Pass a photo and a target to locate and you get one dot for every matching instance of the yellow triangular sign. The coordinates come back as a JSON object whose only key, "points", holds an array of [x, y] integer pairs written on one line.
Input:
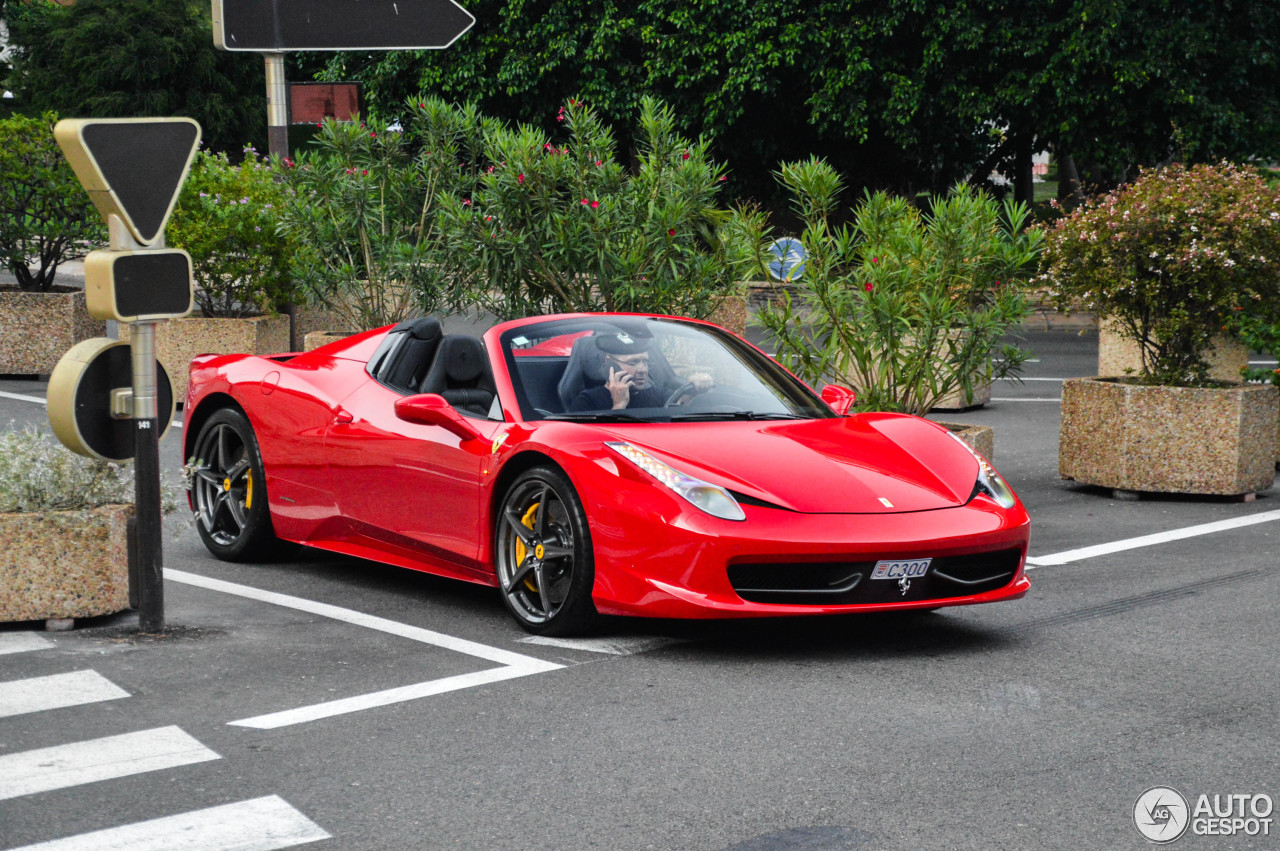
{"points": [[131, 167]]}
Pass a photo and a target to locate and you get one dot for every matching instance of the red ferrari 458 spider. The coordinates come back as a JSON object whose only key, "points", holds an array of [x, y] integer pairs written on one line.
{"points": [[597, 463]]}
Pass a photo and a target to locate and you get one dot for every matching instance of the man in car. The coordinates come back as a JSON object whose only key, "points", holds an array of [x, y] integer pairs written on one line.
{"points": [[629, 384]]}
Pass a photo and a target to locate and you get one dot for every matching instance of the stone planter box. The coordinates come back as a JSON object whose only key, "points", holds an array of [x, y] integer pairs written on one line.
{"points": [[180, 340], [731, 314], [981, 438], [64, 564], [1117, 354], [955, 401], [1129, 437], [316, 339], [37, 329]]}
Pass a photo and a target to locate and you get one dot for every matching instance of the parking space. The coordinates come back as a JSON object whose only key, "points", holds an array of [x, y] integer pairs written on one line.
{"points": [[327, 701]]}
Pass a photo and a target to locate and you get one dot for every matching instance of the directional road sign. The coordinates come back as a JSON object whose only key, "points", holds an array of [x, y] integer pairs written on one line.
{"points": [[270, 25], [82, 411], [131, 167]]}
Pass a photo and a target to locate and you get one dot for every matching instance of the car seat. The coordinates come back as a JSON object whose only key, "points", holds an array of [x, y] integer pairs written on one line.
{"points": [[416, 354], [461, 374]]}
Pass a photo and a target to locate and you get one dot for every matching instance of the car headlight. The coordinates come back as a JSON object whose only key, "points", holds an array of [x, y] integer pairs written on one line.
{"points": [[712, 499], [989, 481]]}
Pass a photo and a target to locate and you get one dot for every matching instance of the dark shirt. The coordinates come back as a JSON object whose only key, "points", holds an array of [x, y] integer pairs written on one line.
{"points": [[599, 399]]}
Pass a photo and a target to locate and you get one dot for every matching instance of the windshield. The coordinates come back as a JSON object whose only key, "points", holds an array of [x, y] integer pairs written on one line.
{"points": [[637, 369]]}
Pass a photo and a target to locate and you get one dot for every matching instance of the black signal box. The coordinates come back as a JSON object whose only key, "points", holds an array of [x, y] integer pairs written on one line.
{"points": [[133, 286]]}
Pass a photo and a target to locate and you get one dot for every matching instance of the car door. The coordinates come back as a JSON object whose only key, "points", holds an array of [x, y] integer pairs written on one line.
{"points": [[407, 486]]}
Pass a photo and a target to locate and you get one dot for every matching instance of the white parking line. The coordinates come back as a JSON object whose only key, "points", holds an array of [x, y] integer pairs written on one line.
{"points": [[59, 691], [22, 642], [262, 824], [1025, 378], [611, 646], [1068, 556], [59, 767], [514, 664], [20, 398], [1026, 399]]}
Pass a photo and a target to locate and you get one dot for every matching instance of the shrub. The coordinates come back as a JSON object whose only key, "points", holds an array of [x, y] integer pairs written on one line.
{"points": [[905, 307], [226, 218], [362, 213], [560, 225], [45, 215], [39, 474], [1175, 258]]}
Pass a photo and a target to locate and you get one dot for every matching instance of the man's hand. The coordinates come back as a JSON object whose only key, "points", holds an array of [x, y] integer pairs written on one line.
{"points": [[619, 387], [702, 381]]}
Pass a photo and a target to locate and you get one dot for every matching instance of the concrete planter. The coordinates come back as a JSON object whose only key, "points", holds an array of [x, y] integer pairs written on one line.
{"points": [[1117, 353], [1130, 437], [64, 564], [180, 340], [37, 329], [981, 438], [955, 400], [316, 339]]}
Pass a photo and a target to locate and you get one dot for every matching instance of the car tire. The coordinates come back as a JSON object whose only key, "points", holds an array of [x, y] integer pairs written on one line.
{"points": [[542, 555], [229, 490]]}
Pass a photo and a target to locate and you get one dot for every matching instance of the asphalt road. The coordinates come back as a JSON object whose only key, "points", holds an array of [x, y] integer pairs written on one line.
{"points": [[1031, 724]]}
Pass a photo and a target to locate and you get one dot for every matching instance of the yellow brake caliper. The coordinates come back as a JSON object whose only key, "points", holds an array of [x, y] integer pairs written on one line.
{"points": [[248, 489], [521, 550]]}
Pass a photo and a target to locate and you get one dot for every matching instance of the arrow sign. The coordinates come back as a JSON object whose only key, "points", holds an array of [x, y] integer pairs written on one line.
{"points": [[267, 25], [131, 167]]}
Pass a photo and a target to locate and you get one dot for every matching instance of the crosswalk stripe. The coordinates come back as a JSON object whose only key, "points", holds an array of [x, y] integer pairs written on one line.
{"points": [[59, 767], [57, 691], [261, 824], [21, 642]]}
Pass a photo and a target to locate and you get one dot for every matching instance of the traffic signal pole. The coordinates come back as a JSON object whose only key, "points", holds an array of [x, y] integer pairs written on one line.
{"points": [[146, 458]]}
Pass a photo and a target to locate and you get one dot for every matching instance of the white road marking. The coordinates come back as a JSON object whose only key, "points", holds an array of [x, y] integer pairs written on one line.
{"points": [[59, 767], [261, 824], [611, 646], [1025, 378], [1068, 556], [19, 397], [513, 664], [1263, 362], [22, 642], [1057, 399], [59, 691]]}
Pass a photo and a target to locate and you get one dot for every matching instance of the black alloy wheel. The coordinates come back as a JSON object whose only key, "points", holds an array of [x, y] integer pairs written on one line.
{"points": [[542, 550], [228, 489]]}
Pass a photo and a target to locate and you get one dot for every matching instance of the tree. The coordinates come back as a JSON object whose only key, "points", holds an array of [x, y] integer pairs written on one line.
{"points": [[100, 58], [898, 94]]}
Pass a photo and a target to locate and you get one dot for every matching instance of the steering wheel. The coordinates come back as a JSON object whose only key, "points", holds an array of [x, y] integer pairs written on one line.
{"points": [[687, 387]]}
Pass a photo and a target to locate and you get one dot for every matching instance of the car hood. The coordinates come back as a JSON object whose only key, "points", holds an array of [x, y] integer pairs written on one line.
{"points": [[863, 464]]}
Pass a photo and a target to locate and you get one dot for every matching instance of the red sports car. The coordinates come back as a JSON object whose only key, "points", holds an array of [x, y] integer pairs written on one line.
{"points": [[597, 463]]}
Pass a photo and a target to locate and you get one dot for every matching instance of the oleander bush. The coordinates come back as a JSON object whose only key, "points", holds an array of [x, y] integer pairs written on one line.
{"points": [[560, 224], [1181, 255], [904, 306]]}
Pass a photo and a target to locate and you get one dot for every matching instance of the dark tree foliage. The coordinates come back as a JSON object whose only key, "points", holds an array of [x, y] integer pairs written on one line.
{"points": [[126, 58], [900, 94]]}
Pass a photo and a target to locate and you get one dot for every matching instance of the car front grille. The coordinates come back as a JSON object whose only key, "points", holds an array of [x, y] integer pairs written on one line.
{"points": [[846, 583]]}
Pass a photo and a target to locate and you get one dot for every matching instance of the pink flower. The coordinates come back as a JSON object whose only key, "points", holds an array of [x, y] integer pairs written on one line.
{"points": [[365, 172], [466, 202], [875, 259], [868, 286], [685, 155], [373, 135], [585, 202], [723, 179], [595, 204], [671, 232], [599, 162], [519, 178]]}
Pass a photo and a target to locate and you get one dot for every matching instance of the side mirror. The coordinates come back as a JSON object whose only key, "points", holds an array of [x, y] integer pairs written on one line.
{"points": [[432, 409], [840, 399]]}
